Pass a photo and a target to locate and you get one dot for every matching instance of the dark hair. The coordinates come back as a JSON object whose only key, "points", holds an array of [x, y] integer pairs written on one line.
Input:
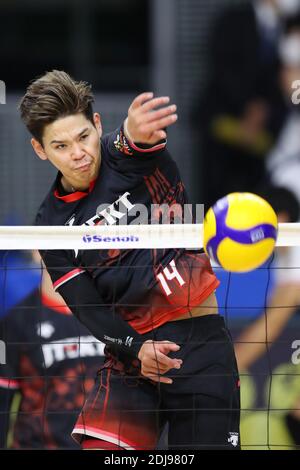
{"points": [[282, 200], [52, 96]]}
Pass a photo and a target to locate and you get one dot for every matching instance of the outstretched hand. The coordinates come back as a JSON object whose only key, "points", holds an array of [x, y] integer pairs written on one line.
{"points": [[155, 361], [145, 124]]}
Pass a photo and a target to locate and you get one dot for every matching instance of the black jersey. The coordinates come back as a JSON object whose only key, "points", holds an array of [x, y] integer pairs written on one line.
{"points": [[143, 286], [52, 361]]}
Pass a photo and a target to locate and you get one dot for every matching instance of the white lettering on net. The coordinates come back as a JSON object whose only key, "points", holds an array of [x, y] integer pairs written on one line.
{"points": [[2, 352], [2, 92], [296, 354], [296, 93]]}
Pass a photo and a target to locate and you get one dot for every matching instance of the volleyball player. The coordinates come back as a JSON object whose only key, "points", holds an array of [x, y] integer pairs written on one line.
{"points": [[169, 354], [51, 364]]}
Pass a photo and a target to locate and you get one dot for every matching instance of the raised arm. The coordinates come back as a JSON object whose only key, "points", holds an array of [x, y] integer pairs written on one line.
{"points": [[145, 123]]}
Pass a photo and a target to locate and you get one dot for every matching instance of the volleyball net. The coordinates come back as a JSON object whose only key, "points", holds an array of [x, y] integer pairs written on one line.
{"points": [[48, 360], [119, 237]]}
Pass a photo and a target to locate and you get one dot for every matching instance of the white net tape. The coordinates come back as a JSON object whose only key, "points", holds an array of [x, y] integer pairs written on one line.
{"points": [[270, 378], [119, 236]]}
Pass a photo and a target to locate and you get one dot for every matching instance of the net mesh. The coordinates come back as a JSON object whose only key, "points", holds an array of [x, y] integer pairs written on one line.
{"points": [[49, 360]]}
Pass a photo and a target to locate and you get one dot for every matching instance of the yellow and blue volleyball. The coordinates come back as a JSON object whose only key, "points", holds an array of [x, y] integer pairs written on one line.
{"points": [[240, 231]]}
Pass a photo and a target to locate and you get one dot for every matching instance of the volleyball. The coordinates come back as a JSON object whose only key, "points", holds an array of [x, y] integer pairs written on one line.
{"points": [[240, 231]]}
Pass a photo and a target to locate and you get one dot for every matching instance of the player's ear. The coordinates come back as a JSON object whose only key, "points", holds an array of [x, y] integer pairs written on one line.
{"points": [[97, 123], [38, 148]]}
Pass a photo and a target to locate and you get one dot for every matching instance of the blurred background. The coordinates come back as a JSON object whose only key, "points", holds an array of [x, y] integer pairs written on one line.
{"points": [[229, 65], [122, 47]]}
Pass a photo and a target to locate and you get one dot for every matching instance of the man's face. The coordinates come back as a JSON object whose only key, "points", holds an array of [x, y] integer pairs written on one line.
{"points": [[72, 145]]}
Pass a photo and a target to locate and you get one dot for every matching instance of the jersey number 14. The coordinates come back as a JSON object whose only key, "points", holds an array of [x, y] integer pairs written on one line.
{"points": [[168, 274]]}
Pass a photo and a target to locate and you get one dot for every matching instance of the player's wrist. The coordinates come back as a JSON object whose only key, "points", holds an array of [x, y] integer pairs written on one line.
{"points": [[142, 349], [133, 348], [126, 131], [138, 146]]}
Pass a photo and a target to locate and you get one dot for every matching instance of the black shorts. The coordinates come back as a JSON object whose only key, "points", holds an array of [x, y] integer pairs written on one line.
{"points": [[202, 406]]}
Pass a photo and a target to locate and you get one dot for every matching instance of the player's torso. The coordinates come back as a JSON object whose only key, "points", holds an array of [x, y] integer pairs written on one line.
{"points": [[131, 280], [125, 195]]}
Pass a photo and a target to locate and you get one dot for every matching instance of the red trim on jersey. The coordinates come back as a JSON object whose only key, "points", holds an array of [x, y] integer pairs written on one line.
{"points": [[55, 305], [157, 185], [148, 150], [151, 190], [101, 434], [163, 180], [67, 277], [99, 444], [106, 396], [76, 195], [163, 317], [9, 383]]}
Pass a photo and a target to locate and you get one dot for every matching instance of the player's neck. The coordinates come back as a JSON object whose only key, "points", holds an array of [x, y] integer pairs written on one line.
{"points": [[73, 186]]}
